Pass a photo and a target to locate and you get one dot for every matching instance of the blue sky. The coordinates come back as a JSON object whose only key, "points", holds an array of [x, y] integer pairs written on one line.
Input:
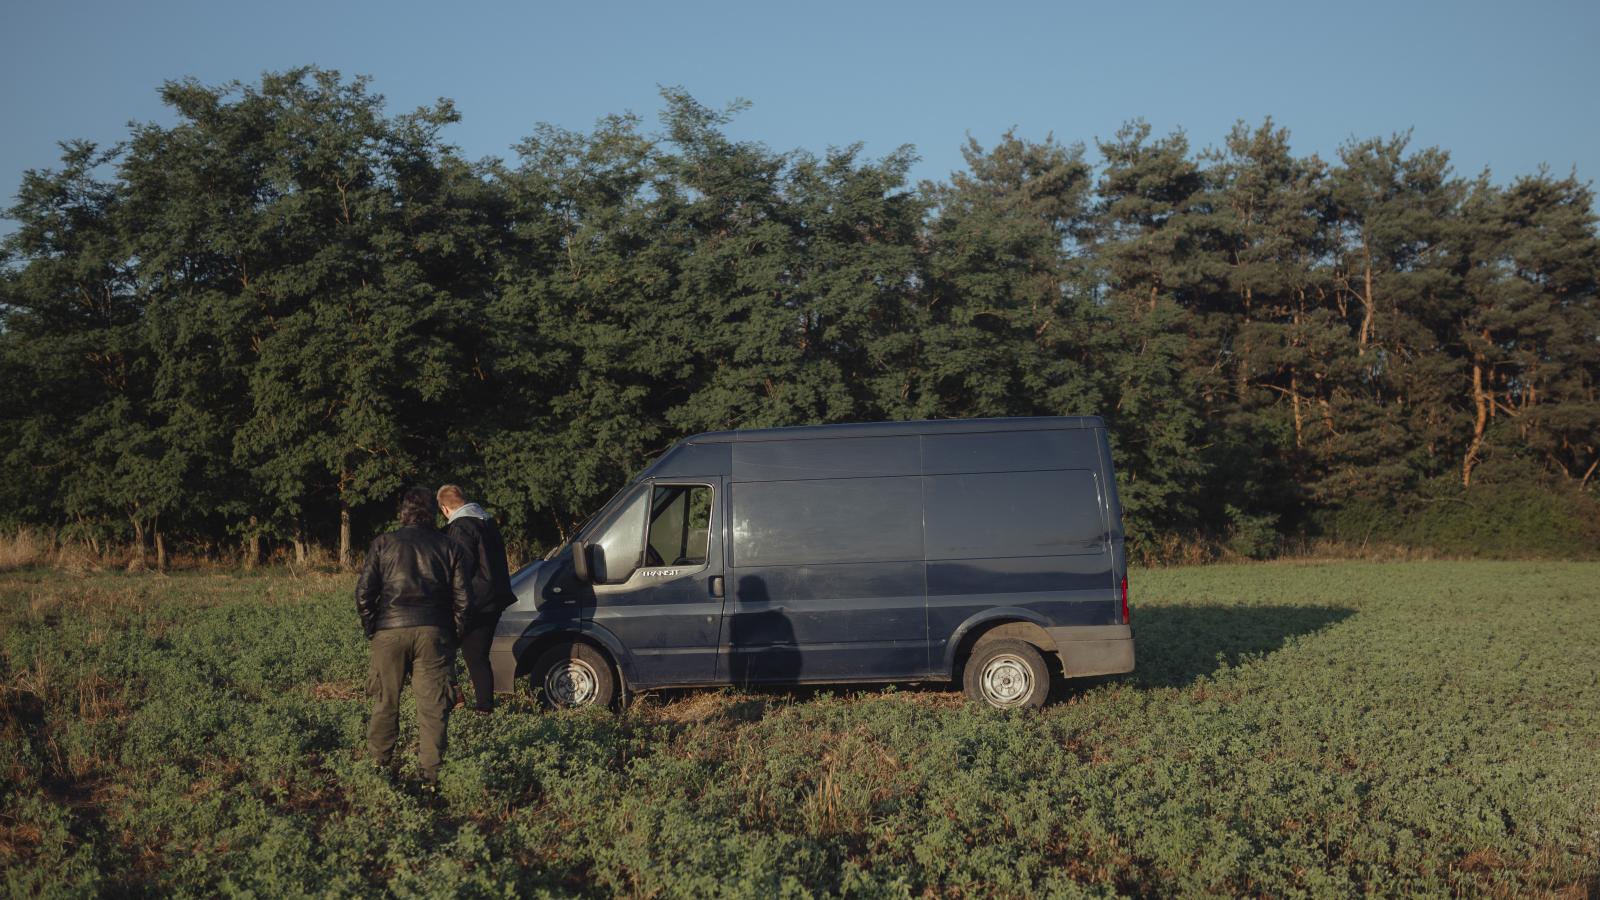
{"points": [[1503, 85]]}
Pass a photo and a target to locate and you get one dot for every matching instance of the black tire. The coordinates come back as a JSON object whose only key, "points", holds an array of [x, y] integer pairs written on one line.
{"points": [[1006, 673], [572, 675]]}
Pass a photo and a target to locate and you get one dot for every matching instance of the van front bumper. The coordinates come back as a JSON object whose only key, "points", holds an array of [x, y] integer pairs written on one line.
{"points": [[1093, 649]]}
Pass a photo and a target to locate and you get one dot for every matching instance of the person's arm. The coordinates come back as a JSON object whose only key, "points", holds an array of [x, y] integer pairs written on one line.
{"points": [[369, 590], [460, 588], [499, 569], [466, 539]]}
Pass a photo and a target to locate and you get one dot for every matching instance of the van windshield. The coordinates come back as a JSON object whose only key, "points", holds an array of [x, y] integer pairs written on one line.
{"points": [[583, 526], [618, 538]]}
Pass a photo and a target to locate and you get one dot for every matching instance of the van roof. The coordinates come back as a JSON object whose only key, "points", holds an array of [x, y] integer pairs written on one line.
{"points": [[887, 429]]}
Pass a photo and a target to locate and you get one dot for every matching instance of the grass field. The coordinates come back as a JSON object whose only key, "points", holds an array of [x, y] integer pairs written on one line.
{"points": [[1318, 729]]}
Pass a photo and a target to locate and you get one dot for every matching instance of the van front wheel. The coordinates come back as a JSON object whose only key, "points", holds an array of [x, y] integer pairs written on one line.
{"points": [[1007, 674], [571, 675]]}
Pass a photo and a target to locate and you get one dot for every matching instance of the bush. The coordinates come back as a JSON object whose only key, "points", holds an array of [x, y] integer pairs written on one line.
{"points": [[1495, 521], [1254, 536]]}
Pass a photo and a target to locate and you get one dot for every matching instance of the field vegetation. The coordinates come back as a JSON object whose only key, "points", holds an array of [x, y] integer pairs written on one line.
{"points": [[1292, 729]]}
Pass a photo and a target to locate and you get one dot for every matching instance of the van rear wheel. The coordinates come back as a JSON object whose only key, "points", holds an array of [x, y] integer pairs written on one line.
{"points": [[572, 675], [1006, 673]]}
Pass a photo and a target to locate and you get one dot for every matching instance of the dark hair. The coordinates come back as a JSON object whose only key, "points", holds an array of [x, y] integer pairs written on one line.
{"points": [[417, 506]]}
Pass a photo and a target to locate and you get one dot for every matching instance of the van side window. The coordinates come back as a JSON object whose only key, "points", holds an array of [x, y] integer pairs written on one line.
{"points": [[680, 525], [1049, 513], [827, 521]]}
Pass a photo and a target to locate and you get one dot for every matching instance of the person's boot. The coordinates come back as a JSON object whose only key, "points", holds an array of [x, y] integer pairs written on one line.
{"points": [[386, 769], [428, 786]]}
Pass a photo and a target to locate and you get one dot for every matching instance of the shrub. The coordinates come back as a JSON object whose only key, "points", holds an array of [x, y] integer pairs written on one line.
{"points": [[1496, 521]]}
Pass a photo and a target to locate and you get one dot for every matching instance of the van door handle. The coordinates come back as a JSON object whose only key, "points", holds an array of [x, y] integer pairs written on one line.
{"points": [[716, 586]]}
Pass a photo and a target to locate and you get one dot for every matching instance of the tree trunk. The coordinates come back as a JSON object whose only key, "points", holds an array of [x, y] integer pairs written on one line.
{"points": [[138, 543], [252, 546], [299, 548], [1479, 399], [344, 535], [84, 529], [1366, 301], [161, 549], [1294, 395]]}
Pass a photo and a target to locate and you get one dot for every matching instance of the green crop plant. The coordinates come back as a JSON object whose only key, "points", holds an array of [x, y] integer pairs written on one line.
{"points": [[1291, 730]]}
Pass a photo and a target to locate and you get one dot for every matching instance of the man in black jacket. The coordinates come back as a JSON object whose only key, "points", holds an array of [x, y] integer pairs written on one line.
{"points": [[472, 529], [413, 596]]}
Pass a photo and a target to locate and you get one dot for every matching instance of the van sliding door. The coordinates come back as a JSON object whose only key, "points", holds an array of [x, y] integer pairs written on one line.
{"points": [[826, 577]]}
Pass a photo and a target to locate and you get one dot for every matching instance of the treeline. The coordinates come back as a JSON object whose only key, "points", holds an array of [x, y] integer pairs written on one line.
{"points": [[248, 330]]}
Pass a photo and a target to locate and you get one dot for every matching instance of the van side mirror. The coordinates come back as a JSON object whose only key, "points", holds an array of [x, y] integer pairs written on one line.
{"points": [[581, 561]]}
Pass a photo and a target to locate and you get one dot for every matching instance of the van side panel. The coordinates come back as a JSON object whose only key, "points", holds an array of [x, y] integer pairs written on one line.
{"points": [[1119, 568], [1055, 587], [1029, 534], [838, 622], [1009, 451], [859, 457]]}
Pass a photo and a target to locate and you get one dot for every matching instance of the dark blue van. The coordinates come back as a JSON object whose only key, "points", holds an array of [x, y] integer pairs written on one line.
{"points": [[988, 551]]}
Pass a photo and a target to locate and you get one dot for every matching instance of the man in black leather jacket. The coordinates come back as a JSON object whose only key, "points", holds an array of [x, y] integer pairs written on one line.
{"points": [[470, 527], [413, 596]]}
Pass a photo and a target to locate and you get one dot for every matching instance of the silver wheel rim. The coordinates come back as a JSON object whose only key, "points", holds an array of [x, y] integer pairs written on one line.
{"points": [[572, 683], [1006, 680]]}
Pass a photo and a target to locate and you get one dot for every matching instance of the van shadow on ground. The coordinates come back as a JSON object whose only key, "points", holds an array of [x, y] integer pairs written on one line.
{"points": [[1176, 645]]}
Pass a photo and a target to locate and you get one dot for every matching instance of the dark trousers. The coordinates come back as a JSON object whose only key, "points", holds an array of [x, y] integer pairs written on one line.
{"points": [[475, 650], [423, 653]]}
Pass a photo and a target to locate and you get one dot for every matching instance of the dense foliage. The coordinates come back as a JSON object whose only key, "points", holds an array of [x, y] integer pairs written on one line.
{"points": [[255, 324], [1292, 730]]}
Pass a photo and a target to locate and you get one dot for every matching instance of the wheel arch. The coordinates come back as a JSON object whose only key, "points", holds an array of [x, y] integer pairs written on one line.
{"points": [[1006, 623], [534, 643]]}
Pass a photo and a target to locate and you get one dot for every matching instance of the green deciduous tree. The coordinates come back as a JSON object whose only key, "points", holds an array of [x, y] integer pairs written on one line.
{"points": [[1008, 295], [256, 323]]}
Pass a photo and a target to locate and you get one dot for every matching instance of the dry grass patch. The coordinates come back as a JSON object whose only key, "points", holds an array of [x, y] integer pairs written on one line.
{"points": [[686, 708], [22, 548], [335, 690]]}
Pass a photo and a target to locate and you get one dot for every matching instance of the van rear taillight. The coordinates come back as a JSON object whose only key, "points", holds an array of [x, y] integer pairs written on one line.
{"points": [[1127, 617]]}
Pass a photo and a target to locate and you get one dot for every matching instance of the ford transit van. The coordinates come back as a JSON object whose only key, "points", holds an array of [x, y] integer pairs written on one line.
{"points": [[987, 552]]}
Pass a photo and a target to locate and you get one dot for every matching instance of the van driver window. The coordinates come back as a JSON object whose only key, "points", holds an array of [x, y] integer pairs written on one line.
{"points": [[680, 525]]}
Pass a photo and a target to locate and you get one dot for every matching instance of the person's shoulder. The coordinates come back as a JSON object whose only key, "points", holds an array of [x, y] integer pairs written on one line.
{"points": [[450, 537], [379, 546]]}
